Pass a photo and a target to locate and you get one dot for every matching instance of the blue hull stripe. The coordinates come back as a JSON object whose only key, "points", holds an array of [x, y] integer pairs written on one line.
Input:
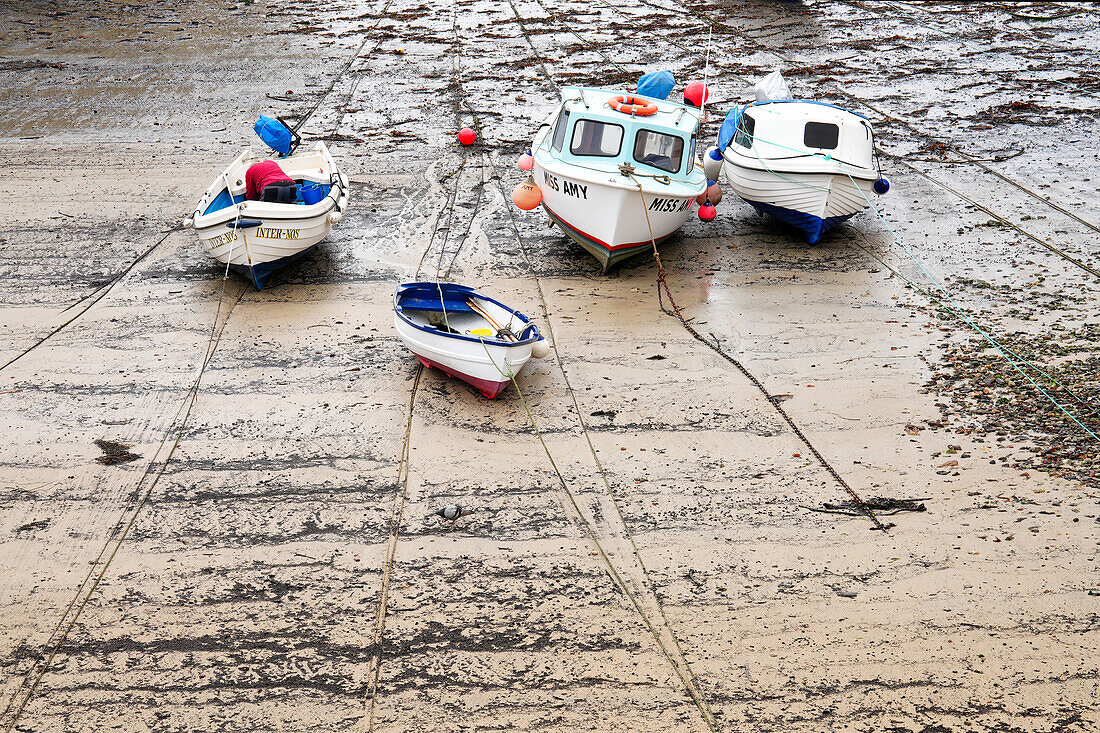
{"points": [[811, 226]]}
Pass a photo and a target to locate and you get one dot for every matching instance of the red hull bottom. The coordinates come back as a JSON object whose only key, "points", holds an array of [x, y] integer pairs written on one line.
{"points": [[488, 388]]}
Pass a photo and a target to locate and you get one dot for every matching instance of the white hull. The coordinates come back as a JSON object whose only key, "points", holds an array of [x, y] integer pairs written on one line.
{"points": [[484, 365], [809, 164], [821, 194], [610, 219]]}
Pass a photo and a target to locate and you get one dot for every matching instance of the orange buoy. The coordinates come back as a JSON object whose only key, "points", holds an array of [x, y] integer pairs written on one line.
{"points": [[527, 195], [713, 192]]}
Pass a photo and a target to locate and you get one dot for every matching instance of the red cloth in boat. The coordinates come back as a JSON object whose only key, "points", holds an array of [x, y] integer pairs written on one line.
{"points": [[262, 174]]}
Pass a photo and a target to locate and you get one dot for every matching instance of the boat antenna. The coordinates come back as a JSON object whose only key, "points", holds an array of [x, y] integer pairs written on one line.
{"points": [[706, 72]]}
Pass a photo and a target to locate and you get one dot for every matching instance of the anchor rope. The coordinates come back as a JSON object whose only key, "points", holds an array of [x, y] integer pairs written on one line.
{"points": [[347, 65], [696, 693], [374, 672], [92, 299], [956, 308], [970, 321], [121, 530]]}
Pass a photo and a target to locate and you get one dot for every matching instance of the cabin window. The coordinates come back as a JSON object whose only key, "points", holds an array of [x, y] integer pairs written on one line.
{"points": [[691, 152], [659, 150], [560, 128], [745, 128], [596, 138], [824, 135]]}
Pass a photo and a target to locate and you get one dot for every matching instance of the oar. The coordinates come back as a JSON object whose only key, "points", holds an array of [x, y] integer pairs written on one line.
{"points": [[481, 312]]}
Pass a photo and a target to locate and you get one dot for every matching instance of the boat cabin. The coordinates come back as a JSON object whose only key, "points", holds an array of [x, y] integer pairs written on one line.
{"points": [[589, 132], [792, 128]]}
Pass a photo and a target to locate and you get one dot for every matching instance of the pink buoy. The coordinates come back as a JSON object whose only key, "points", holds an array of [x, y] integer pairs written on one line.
{"points": [[713, 193], [466, 136], [696, 93], [527, 195], [707, 212], [526, 161]]}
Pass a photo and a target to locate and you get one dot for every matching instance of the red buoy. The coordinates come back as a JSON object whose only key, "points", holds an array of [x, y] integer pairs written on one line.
{"points": [[707, 212], [466, 136], [696, 93]]}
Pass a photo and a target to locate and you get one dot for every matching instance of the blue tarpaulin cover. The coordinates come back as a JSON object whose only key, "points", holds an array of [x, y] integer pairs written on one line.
{"points": [[729, 125], [657, 84], [274, 134]]}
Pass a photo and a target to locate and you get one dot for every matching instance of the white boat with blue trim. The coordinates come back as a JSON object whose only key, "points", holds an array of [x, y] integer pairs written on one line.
{"points": [[809, 164], [463, 333], [256, 238], [618, 171]]}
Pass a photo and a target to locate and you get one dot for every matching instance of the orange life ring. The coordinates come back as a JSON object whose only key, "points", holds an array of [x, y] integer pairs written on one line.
{"points": [[629, 105]]}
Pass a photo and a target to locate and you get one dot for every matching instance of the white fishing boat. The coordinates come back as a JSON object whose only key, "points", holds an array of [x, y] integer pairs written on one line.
{"points": [[465, 334], [255, 238], [809, 164], [618, 171]]}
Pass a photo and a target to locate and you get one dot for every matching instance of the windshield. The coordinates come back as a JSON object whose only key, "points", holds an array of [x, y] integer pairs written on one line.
{"points": [[659, 150], [597, 138], [743, 135]]}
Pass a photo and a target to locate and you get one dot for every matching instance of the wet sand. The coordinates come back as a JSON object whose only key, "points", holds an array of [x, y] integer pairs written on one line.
{"points": [[676, 577]]}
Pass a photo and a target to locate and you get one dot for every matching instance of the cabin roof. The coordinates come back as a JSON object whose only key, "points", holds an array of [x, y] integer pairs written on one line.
{"points": [[811, 108], [670, 116]]}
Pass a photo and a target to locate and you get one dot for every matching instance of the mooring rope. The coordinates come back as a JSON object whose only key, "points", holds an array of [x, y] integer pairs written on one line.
{"points": [[375, 671], [691, 684], [970, 322], [1011, 357], [121, 530], [92, 299], [693, 687], [347, 65]]}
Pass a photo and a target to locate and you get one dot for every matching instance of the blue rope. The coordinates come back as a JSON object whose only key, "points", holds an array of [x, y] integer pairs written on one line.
{"points": [[958, 309]]}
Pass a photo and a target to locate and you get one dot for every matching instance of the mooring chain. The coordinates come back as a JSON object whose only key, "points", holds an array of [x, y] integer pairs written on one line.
{"points": [[662, 283]]}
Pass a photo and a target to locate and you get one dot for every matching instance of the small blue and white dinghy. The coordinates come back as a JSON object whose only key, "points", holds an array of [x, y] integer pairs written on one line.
{"points": [[618, 171], [809, 164], [465, 334], [256, 238]]}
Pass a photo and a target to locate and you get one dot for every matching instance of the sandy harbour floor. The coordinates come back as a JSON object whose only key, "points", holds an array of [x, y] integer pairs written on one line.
{"points": [[270, 561]]}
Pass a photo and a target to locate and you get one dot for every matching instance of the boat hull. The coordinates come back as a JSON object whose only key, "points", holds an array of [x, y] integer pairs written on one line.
{"points": [[812, 202], [484, 366], [611, 222]]}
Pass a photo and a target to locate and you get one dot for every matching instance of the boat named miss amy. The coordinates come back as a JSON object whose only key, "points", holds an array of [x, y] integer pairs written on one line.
{"points": [[618, 171]]}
